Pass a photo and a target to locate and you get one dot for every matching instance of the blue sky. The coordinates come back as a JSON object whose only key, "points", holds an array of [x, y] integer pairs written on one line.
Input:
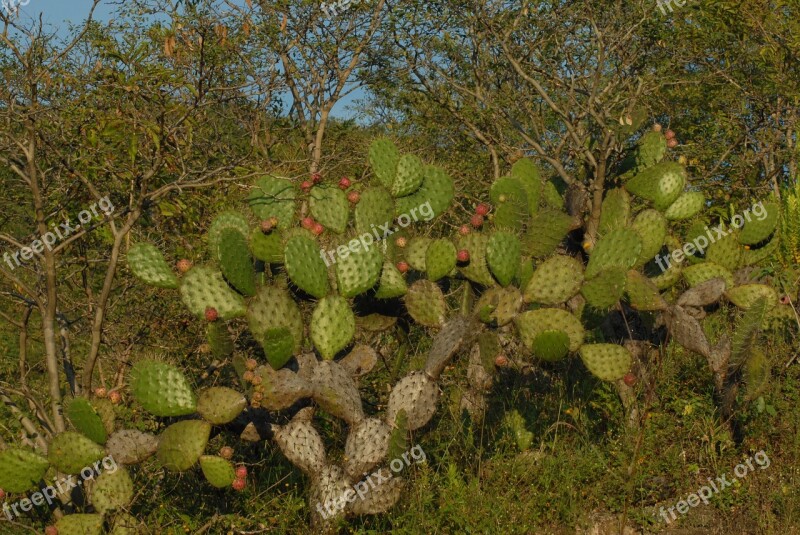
{"points": [[61, 13]]}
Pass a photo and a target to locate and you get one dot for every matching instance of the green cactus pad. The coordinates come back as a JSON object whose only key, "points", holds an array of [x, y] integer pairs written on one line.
{"points": [[105, 409], [500, 305], [529, 176], [440, 259], [506, 189], [545, 232], [333, 326], [236, 262], [425, 303], [608, 362], [668, 278], [477, 269], [202, 288], [279, 346], [605, 289], [305, 266], [700, 273], [267, 247], [219, 339], [651, 227], [148, 264], [161, 389], [515, 424], [71, 452], [555, 281], [751, 257], [662, 184], [85, 419], [409, 175], [551, 345], [225, 221], [533, 323], [416, 251], [746, 295], [357, 272], [642, 293], [756, 230], [686, 206], [219, 472], [650, 150], [619, 248], [503, 254], [274, 308], [551, 197], [21, 470], [220, 405], [112, 491], [274, 197], [383, 158], [392, 283], [330, 207], [726, 252], [615, 211], [182, 444], [524, 273], [511, 215], [80, 524], [432, 198], [375, 211]]}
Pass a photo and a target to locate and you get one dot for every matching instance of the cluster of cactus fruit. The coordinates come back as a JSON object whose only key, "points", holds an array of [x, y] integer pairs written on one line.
{"points": [[527, 296]]}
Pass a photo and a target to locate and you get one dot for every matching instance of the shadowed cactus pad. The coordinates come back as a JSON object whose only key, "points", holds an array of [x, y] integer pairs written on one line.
{"points": [[161, 389], [550, 345], [267, 247], [425, 303], [330, 207], [604, 290], [21, 470], [392, 284], [446, 344], [333, 325], [236, 262], [218, 472], [131, 446], [555, 281], [85, 419], [148, 264], [651, 227], [112, 490], [499, 305], [274, 197], [305, 266], [758, 227], [608, 362], [381, 497], [219, 405], [182, 444], [642, 293], [282, 388], [367, 445], [619, 248], [440, 259], [503, 254], [357, 272], [203, 288], [71, 452], [417, 395], [534, 322], [279, 346], [79, 524], [335, 391]]}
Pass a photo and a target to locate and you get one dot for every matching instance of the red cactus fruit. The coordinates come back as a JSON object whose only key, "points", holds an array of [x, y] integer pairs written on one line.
{"points": [[251, 364], [669, 134], [257, 380], [51, 530], [482, 209], [100, 392], [402, 267], [248, 376], [184, 265], [401, 242], [316, 178], [476, 221], [630, 379], [238, 485], [241, 472], [211, 314], [226, 452], [306, 185], [463, 255], [307, 223], [354, 197], [501, 361], [672, 143], [115, 397], [318, 229], [345, 183], [464, 230]]}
